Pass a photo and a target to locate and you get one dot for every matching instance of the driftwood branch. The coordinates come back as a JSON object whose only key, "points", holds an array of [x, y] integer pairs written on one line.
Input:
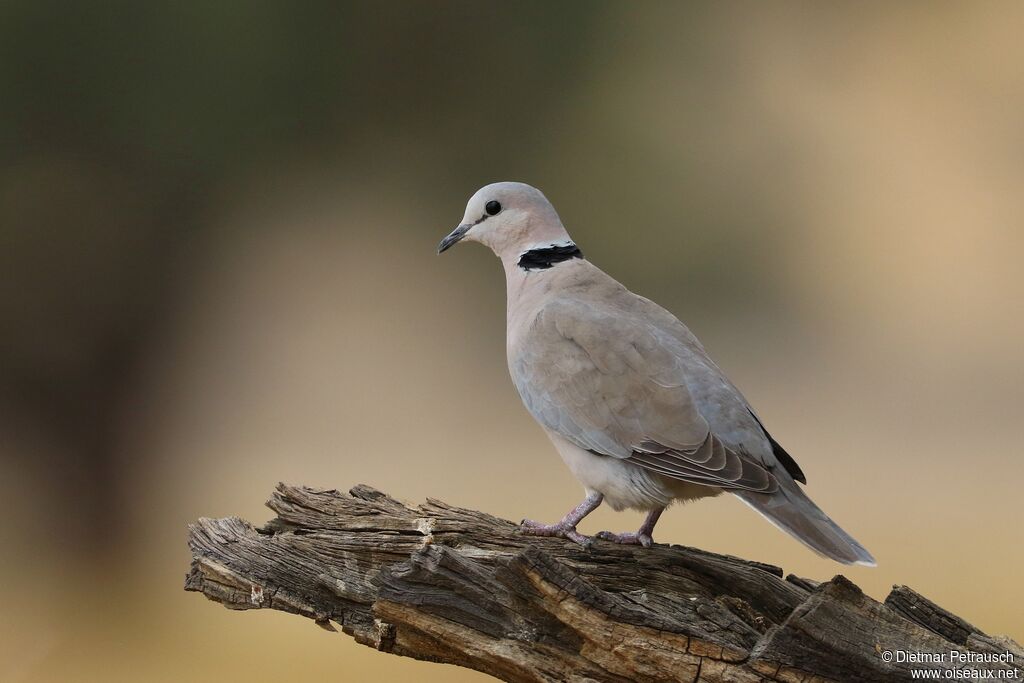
{"points": [[445, 584]]}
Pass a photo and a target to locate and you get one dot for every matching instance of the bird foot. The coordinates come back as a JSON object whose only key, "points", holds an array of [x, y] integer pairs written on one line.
{"points": [[627, 538], [529, 527]]}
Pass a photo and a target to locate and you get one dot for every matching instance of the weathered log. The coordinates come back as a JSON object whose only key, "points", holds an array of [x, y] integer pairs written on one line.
{"points": [[446, 584]]}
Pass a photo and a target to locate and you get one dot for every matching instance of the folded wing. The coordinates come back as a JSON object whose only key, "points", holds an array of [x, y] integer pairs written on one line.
{"points": [[612, 385]]}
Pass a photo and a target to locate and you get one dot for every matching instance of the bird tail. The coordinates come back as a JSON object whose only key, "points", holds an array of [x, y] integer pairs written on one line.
{"points": [[791, 510]]}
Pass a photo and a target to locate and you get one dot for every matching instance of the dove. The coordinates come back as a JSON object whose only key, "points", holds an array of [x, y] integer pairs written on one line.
{"points": [[628, 396]]}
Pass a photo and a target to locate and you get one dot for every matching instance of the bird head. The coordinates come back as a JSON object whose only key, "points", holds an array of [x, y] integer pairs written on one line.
{"points": [[510, 218]]}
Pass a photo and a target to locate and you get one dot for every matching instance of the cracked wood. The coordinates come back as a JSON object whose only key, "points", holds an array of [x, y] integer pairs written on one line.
{"points": [[441, 583]]}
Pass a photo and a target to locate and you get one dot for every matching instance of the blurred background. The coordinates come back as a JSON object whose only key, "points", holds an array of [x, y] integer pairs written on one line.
{"points": [[217, 272]]}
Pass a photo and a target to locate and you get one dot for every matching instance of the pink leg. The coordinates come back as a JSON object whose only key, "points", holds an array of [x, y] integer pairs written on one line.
{"points": [[643, 536], [567, 527]]}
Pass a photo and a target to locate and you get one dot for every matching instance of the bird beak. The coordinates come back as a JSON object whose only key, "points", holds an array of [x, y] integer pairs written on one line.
{"points": [[453, 237]]}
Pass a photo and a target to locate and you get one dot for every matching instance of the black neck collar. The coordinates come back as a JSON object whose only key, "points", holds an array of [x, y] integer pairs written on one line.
{"points": [[545, 257]]}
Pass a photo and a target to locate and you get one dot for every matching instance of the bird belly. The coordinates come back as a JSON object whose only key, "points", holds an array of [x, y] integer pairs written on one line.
{"points": [[623, 484]]}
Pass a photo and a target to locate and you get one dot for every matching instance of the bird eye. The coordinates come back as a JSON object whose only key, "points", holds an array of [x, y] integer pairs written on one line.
{"points": [[492, 207]]}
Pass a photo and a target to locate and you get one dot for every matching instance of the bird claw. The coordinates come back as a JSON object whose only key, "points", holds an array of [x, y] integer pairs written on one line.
{"points": [[627, 538], [529, 527]]}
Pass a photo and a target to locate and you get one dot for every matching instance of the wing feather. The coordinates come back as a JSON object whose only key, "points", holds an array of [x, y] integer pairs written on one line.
{"points": [[613, 386]]}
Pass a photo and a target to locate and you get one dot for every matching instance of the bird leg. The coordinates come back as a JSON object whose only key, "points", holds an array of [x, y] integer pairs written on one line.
{"points": [[567, 527], [642, 536]]}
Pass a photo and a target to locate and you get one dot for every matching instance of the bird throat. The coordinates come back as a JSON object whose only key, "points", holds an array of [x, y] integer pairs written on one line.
{"points": [[545, 257]]}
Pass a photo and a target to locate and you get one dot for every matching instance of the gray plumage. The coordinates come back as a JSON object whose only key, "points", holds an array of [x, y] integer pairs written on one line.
{"points": [[629, 397]]}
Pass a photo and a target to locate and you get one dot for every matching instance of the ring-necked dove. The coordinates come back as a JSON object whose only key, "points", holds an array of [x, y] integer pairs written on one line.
{"points": [[638, 411]]}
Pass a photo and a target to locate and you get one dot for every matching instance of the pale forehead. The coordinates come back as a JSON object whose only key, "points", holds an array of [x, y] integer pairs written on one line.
{"points": [[508, 192]]}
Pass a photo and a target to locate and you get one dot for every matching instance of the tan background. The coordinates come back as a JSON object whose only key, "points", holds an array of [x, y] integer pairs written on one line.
{"points": [[218, 225]]}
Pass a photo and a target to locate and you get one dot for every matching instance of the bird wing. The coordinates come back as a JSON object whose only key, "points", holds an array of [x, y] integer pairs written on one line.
{"points": [[613, 385]]}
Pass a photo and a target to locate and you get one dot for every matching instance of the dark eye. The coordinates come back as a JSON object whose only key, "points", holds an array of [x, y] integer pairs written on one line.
{"points": [[492, 207]]}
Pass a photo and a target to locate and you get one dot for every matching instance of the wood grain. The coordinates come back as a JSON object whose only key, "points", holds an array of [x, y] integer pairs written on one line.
{"points": [[441, 583]]}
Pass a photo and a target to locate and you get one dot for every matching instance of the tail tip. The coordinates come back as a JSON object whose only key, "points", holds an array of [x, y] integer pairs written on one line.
{"points": [[861, 557], [866, 561]]}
